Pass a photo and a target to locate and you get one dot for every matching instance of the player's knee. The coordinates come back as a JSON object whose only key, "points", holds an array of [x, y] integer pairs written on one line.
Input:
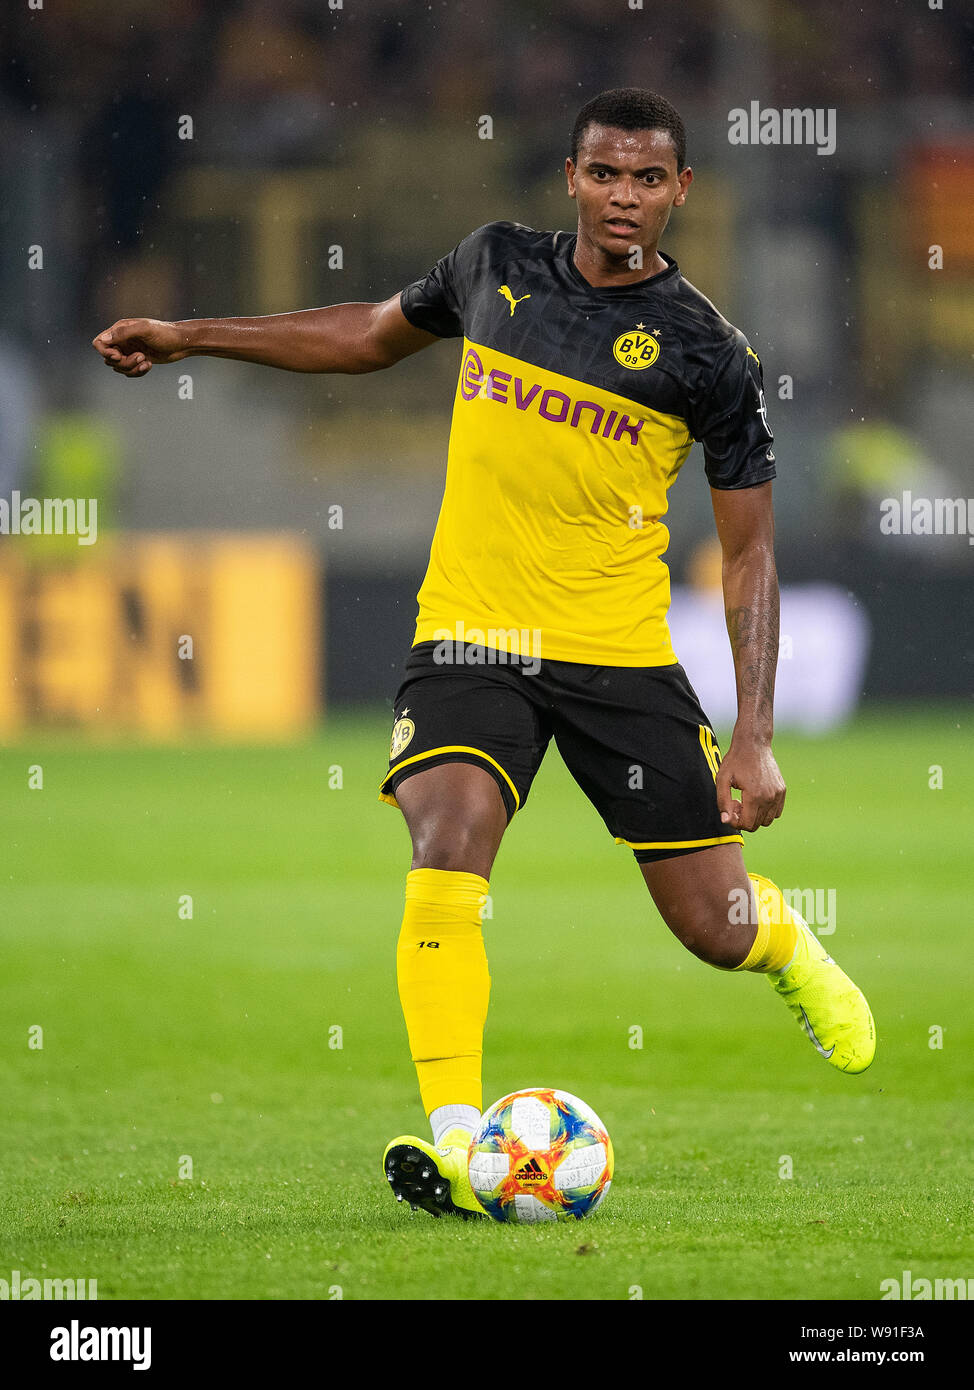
{"points": [[461, 839]]}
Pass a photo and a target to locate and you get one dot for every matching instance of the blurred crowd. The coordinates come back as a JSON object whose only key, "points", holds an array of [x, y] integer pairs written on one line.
{"points": [[277, 77], [284, 83]]}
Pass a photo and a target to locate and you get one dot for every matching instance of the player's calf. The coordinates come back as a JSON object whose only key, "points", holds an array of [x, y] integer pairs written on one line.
{"points": [[736, 921], [694, 894]]}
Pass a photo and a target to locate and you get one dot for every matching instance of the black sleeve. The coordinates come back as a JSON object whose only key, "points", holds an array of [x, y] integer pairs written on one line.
{"points": [[436, 302], [731, 421]]}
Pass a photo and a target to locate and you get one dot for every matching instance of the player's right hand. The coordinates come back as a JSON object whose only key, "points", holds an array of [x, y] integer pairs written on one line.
{"points": [[132, 346]]}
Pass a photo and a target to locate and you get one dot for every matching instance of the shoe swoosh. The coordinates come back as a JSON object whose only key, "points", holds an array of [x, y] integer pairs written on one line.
{"points": [[811, 1033]]}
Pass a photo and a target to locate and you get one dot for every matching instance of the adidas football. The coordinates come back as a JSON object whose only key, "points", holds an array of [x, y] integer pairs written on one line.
{"points": [[540, 1155]]}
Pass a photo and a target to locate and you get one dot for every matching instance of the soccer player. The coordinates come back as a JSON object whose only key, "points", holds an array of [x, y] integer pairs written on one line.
{"points": [[590, 367]]}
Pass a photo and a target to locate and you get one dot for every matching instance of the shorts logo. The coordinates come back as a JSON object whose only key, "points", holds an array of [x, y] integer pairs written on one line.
{"points": [[636, 349], [402, 732]]}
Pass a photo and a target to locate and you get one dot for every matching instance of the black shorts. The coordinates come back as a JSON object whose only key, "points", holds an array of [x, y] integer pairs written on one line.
{"points": [[633, 737]]}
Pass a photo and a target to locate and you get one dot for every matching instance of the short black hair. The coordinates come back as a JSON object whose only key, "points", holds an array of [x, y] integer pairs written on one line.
{"points": [[632, 108]]}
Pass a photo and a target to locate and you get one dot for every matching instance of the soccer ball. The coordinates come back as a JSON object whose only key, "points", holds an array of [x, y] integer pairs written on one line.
{"points": [[540, 1155]]}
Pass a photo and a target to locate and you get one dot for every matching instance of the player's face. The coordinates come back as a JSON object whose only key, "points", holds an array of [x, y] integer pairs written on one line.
{"points": [[626, 184]]}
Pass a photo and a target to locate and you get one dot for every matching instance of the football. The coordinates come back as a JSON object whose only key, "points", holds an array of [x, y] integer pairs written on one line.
{"points": [[540, 1155]]}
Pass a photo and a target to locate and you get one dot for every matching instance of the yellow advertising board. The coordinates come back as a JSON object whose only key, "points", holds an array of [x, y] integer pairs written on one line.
{"points": [[164, 635]]}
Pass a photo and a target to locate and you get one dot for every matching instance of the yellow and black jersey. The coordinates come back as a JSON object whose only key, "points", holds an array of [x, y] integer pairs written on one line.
{"points": [[575, 409]]}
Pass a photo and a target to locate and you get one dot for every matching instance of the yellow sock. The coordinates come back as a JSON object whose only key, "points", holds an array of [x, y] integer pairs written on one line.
{"points": [[444, 984], [777, 936]]}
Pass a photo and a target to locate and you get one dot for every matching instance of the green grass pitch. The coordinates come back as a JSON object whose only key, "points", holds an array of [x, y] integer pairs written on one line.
{"points": [[211, 1039]]}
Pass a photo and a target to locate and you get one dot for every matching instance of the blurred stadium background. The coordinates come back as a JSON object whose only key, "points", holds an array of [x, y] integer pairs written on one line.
{"points": [[284, 521]]}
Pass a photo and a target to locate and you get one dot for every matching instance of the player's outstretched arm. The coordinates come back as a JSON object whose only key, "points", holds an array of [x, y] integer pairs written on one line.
{"points": [[745, 526], [348, 338]]}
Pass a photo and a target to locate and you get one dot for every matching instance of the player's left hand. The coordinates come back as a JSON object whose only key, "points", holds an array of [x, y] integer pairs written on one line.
{"points": [[750, 768]]}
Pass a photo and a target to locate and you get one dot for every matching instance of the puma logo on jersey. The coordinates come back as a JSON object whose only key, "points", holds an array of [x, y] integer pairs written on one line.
{"points": [[506, 292]]}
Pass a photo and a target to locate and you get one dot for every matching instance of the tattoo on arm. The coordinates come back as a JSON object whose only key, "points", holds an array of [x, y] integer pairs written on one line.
{"points": [[758, 682], [739, 626], [754, 643]]}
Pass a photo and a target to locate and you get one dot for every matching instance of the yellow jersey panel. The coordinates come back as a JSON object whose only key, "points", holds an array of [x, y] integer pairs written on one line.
{"points": [[573, 479]]}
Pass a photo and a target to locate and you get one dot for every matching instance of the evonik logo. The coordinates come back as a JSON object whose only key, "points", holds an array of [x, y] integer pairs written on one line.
{"points": [[555, 406]]}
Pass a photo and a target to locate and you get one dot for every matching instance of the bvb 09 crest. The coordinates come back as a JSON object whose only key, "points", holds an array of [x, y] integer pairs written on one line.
{"points": [[402, 732], [636, 349]]}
